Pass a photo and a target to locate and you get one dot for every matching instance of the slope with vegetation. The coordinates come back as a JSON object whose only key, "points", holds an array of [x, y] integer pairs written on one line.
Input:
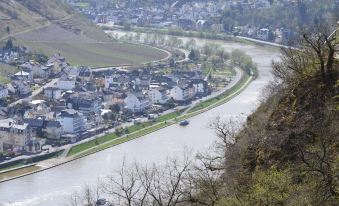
{"points": [[287, 154], [51, 27], [289, 147]]}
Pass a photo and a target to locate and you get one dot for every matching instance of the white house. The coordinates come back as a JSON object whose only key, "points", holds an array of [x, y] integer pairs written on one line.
{"points": [[108, 81], [72, 121], [22, 75], [136, 104], [179, 93], [3, 92], [158, 95], [52, 93]]}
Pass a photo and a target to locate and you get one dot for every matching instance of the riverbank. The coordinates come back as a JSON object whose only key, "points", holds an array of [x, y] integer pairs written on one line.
{"points": [[154, 148], [195, 34], [134, 132]]}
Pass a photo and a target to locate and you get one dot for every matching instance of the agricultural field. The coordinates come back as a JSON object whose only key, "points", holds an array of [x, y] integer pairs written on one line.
{"points": [[82, 50]]}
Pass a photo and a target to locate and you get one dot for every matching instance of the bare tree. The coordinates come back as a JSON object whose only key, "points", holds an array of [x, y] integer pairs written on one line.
{"points": [[315, 52], [86, 198], [320, 159], [181, 181]]}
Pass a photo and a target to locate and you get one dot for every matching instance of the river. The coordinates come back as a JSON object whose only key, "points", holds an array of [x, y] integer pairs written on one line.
{"points": [[53, 187]]}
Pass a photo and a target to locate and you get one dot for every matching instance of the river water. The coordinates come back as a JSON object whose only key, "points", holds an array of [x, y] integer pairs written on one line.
{"points": [[53, 187]]}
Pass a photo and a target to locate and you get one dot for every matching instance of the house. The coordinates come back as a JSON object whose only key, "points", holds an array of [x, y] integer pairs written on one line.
{"points": [[136, 103], [186, 24], [23, 76], [57, 63], [36, 124], [85, 102], [22, 88], [72, 121], [203, 25], [52, 93], [15, 136], [36, 69], [53, 130], [217, 28], [199, 85], [112, 97], [3, 91], [108, 81], [180, 93], [66, 84], [34, 146], [158, 95], [85, 74]]}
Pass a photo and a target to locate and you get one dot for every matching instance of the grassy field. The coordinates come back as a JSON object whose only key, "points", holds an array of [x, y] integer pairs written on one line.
{"points": [[130, 137], [6, 69]]}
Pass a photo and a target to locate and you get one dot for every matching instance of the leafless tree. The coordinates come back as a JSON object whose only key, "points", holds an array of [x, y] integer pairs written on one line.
{"points": [[320, 159], [86, 198], [181, 181], [315, 51]]}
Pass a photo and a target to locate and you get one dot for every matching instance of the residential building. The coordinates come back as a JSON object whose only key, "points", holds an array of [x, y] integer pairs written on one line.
{"points": [[52, 93], [179, 93], [66, 84], [85, 102], [57, 63], [158, 95], [15, 136], [3, 91], [72, 121], [23, 76], [53, 130], [136, 103], [36, 69], [36, 124], [22, 88]]}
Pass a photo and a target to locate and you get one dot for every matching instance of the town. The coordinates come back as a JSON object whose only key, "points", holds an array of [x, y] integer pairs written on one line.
{"points": [[50, 104], [213, 16]]}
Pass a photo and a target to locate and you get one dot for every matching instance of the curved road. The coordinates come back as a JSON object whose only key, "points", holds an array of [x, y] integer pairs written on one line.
{"points": [[54, 186]]}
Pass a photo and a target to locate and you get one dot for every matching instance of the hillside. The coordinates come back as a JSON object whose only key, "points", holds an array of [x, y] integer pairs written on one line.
{"points": [[23, 15], [288, 152], [51, 27]]}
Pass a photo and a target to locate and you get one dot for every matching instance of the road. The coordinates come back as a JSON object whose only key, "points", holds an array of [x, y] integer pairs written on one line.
{"points": [[35, 92]]}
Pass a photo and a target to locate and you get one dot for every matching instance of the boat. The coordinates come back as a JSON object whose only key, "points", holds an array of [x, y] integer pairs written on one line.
{"points": [[184, 123]]}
